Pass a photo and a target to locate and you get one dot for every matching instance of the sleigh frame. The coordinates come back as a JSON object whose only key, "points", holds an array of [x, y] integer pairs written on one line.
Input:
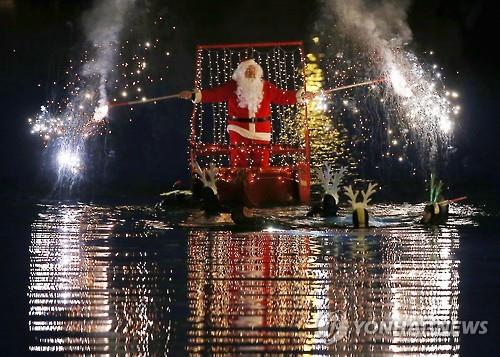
{"points": [[287, 181]]}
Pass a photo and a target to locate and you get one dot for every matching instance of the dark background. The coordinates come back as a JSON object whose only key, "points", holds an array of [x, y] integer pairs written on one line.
{"points": [[149, 154], [37, 36]]}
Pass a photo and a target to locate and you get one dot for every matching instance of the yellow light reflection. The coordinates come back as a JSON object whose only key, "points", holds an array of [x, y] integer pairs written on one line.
{"points": [[90, 293]]}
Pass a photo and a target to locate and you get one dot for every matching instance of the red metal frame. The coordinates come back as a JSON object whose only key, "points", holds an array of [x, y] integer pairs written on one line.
{"points": [[202, 149], [250, 45]]}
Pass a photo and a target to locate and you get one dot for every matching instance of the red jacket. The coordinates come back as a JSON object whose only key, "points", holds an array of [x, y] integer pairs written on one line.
{"points": [[227, 93]]}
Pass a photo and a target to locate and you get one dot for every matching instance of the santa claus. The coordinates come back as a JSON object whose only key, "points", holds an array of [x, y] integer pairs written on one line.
{"points": [[248, 97]]}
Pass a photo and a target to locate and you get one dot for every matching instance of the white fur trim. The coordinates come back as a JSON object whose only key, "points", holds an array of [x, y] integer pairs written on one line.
{"points": [[249, 134], [299, 94], [197, 96], [239, 72]]}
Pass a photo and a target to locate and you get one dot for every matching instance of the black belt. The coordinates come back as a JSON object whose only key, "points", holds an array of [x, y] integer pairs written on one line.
{"points": [[250, 120]]}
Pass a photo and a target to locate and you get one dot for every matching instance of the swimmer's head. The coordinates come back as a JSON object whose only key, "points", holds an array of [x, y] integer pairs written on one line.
{"points": [[434, 214], [329, 205], [240, 214], [211, 204]]}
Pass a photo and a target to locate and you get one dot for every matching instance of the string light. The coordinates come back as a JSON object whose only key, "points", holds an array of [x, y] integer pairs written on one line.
{"points": [[217, 66]]}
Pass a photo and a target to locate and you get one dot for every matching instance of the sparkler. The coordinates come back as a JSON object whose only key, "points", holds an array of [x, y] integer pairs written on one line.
{"points": [[410, 120], [101, 112], [69, 160], [145, 100], [414, 108], [115, 63], [420, 100]]}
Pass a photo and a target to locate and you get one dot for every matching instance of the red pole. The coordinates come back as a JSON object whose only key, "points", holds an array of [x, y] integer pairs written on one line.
{"points": [[260, 44], [354, 85], [306, 128], [142, 101], [458, 199]]}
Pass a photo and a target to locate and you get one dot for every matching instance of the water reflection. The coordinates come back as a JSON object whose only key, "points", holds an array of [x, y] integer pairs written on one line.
{"points": [[244, 293], [94, 290], [270, 292], [121, 281]]}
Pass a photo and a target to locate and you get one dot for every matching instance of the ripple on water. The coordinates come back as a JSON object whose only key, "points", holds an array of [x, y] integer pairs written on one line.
{"points": [[128, 280]]}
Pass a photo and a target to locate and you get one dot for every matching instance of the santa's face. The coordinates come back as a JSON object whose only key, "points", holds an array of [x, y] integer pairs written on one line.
{"points": [[251, 72], [248, 77], [249, 91]]}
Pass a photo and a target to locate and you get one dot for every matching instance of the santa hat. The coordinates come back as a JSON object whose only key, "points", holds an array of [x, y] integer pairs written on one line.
{"points": [[239, 72]]}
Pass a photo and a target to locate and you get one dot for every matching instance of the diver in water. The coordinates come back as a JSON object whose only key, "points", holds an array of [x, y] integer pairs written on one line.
{"points": [[327, 208], [330, 182], [210, 202], [360, 216], [436, 211], [244, 218], [197, 189], [435, 214], [178, 197], [181, 197], [207, 190]]}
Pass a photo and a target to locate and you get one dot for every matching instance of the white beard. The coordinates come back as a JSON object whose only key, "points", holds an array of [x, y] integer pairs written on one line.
{"points": [[250, 93]]}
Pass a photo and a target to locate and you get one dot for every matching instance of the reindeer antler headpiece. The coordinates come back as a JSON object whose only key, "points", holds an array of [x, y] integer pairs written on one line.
{"points": [[207, 176], [366, 194], [330, 181]]}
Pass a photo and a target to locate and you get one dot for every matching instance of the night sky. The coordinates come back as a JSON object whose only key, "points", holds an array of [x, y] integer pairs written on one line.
{"points": [[149, 154]]}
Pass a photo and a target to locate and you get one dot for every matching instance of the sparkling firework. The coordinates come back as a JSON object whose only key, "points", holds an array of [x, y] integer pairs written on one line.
{"points": [[115, 66], [427, 98], [410, 119], [69, 160], [420, 99], [82, 113]]}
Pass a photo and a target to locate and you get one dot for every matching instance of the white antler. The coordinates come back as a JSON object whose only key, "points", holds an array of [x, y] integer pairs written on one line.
{"points": [[325, 175], [352, 195], [200, 172], [330, 181], [211, 172], [366, 194], [334, 188]]}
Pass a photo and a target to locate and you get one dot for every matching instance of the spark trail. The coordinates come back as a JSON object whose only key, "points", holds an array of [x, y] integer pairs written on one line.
{"points": [[418, 106], [82, 113]]}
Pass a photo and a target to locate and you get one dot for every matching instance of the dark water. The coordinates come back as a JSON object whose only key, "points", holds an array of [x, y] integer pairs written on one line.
{"points": [[129, 280]]}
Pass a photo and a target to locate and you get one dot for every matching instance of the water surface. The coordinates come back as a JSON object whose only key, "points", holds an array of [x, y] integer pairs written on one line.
{"points": [[132, 280]]}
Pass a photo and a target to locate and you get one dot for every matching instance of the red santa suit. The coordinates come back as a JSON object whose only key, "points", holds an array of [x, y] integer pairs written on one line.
{"points": [[249, 137]]}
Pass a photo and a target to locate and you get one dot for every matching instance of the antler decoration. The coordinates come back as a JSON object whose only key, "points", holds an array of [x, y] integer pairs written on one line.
{"points": [[209, 172], [352, 195], [324, 175], [330, 181], [366, 196], [337, 177]]}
